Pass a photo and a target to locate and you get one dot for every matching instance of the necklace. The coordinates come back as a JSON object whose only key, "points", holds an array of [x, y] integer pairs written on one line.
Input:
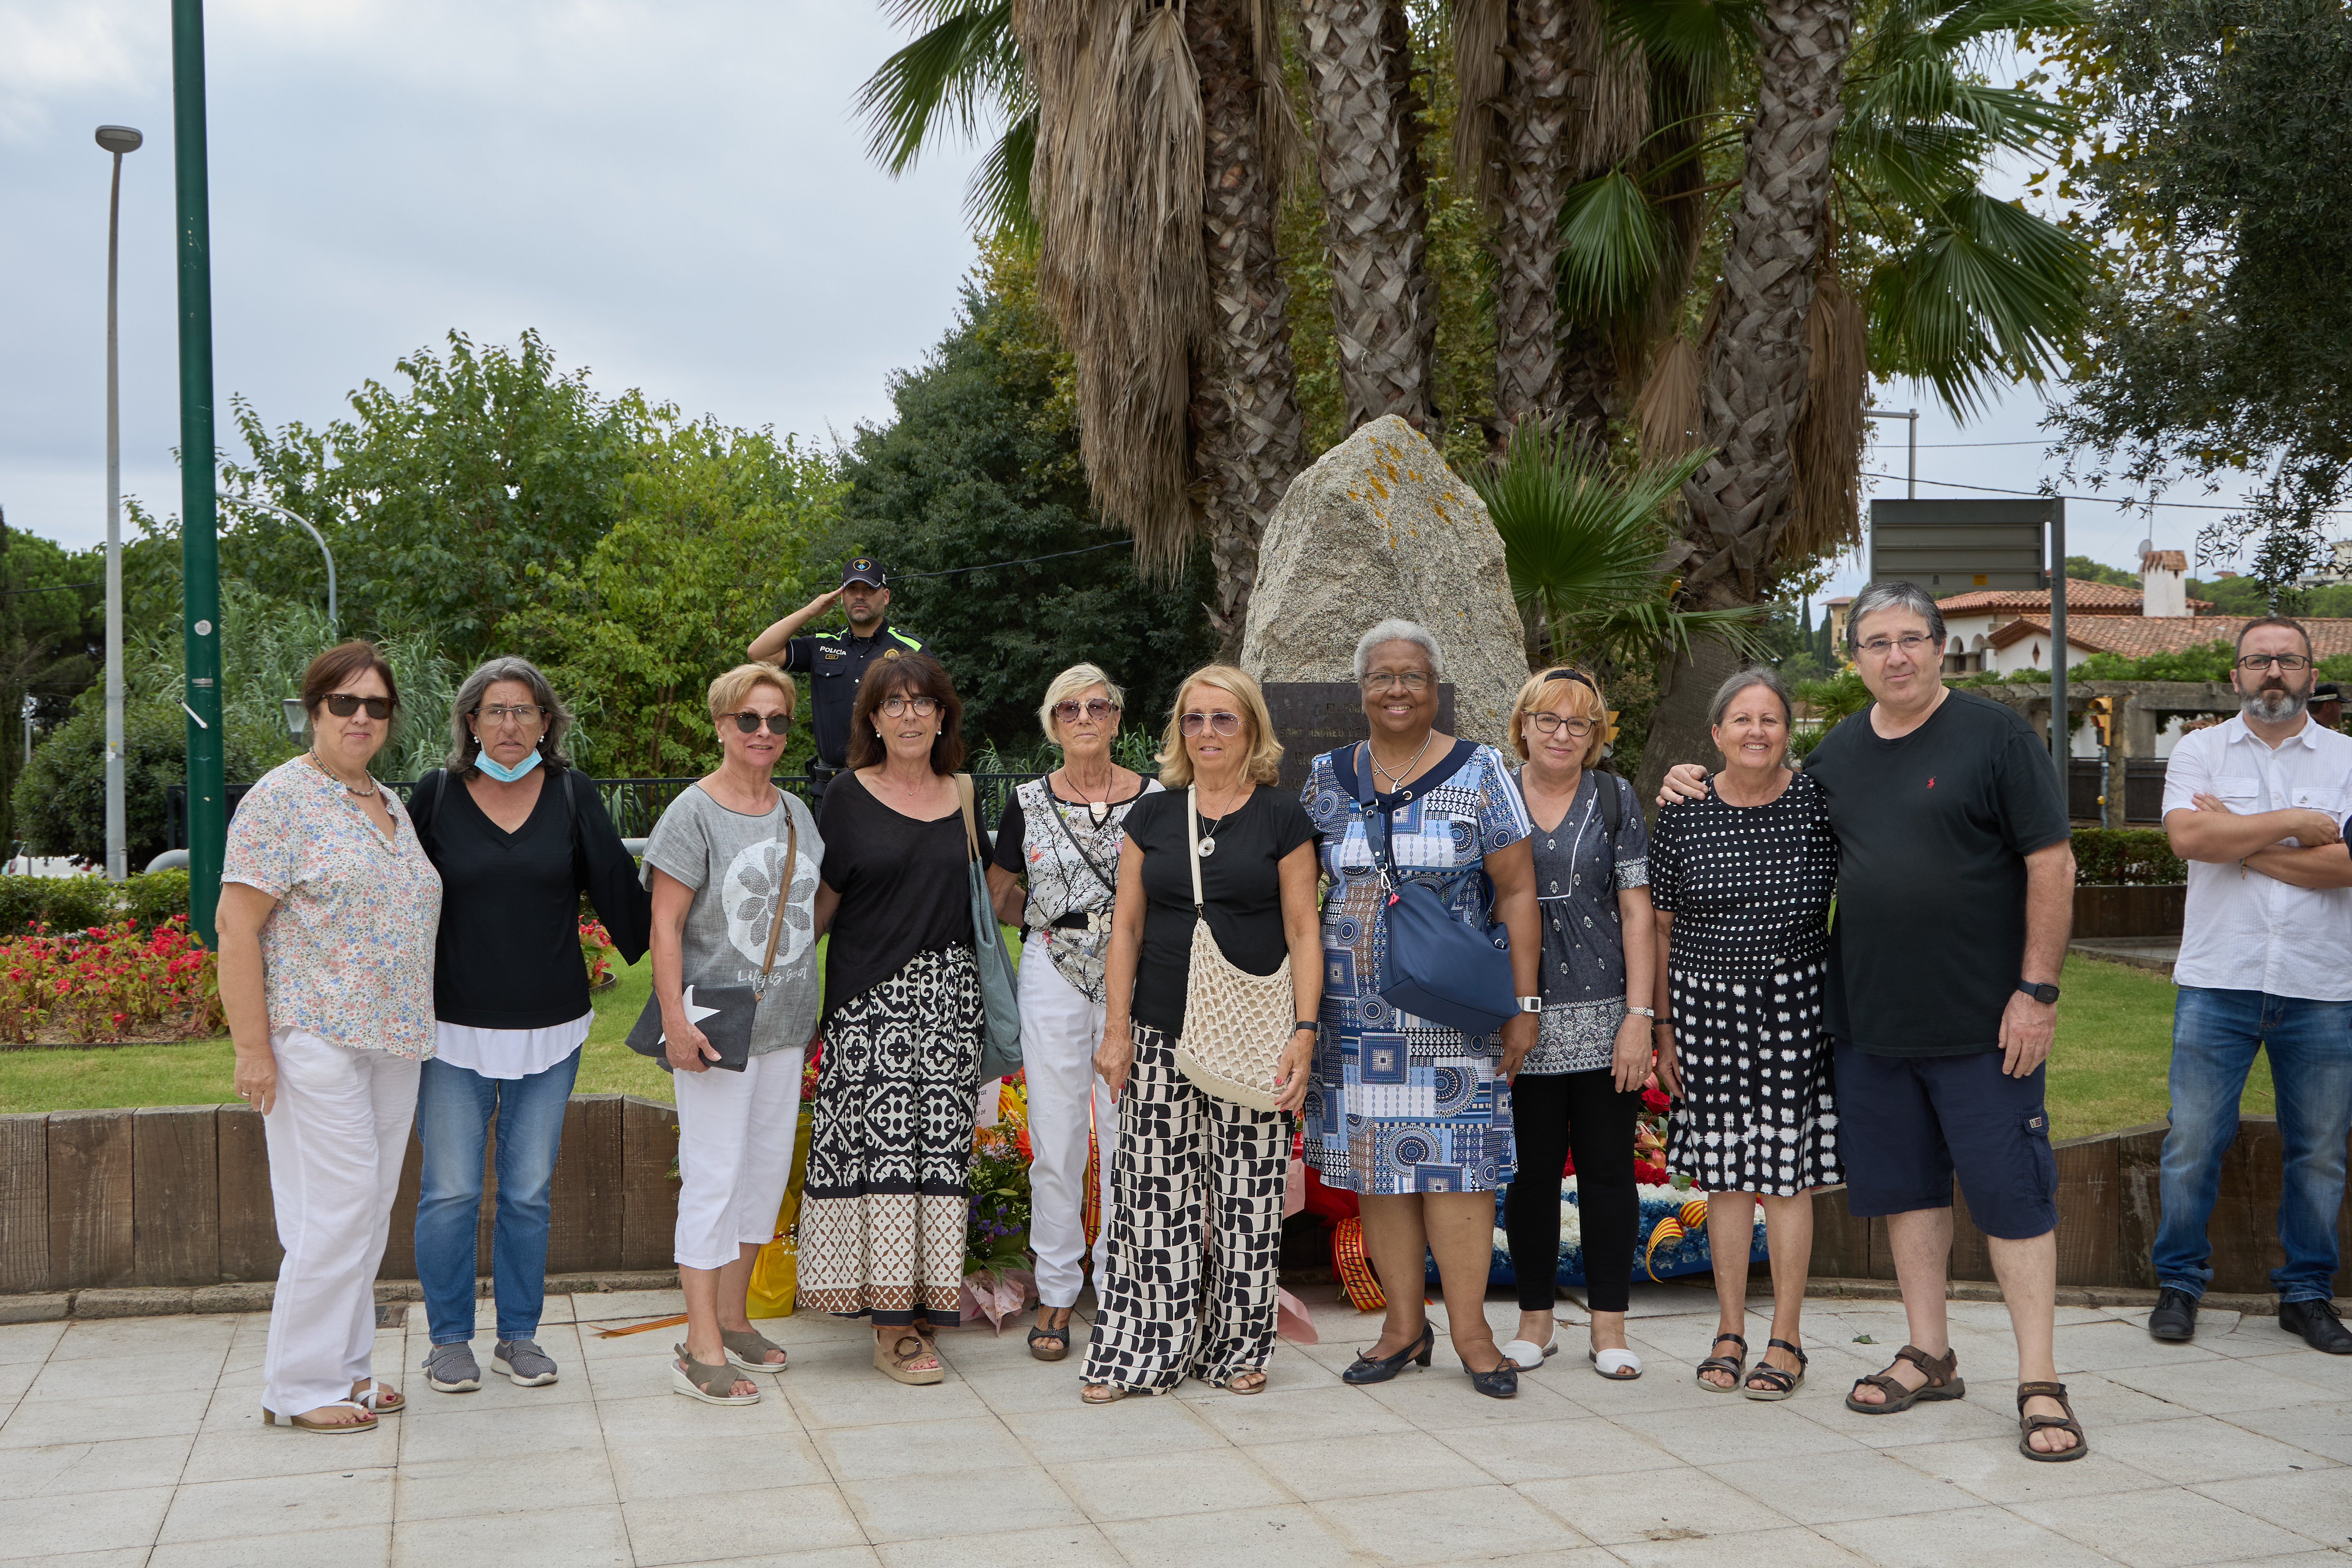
{"points": [[1396, 780], [367, 793], [1209, 839], [1097, 809]]}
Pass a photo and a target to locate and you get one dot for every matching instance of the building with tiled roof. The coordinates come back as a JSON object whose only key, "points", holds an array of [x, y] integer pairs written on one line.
{"points": [[2009, 630]]}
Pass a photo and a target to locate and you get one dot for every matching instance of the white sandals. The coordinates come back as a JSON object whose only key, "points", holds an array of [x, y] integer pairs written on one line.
{"points": [[1527, 1355], [1617, 1365]]}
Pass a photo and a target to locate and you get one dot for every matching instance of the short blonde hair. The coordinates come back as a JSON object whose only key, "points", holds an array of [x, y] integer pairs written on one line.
{"points": [[1583, 691], [1068, 684], [1263, 763], [732, 690]]}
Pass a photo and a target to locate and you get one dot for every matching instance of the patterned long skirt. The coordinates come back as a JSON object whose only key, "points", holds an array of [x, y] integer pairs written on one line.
{"points": [[1759, 1100], [1174, 1302], [882, 1216]]}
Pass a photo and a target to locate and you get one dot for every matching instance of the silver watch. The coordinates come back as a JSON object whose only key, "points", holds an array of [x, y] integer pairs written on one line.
{"points": [[1650, 1013], [1530, 1004]]}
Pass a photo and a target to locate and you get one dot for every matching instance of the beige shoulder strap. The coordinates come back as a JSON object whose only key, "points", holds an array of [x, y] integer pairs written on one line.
{"points": [[784, 892], [1192, 842]]}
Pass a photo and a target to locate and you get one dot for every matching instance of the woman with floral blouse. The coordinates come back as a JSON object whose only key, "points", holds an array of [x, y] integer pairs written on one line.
{"points": [[328, 909]]}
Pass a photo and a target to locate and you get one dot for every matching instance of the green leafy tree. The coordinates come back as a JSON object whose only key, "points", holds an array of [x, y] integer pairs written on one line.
{"points": [[2083, 569], [52, 644]]}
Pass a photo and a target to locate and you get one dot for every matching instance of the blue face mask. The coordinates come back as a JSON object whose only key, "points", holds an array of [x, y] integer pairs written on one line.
{"points": [[503, 773]]}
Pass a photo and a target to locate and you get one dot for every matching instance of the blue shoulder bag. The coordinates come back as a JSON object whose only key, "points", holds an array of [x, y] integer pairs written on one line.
{"points": [[1437, 966]]}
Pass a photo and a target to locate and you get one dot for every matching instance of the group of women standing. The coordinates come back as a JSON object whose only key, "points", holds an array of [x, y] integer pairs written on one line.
{"points": [[360, 939]]}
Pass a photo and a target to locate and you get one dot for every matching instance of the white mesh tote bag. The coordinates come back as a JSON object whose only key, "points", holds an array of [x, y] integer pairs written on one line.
{"points": [[1235, 1022]]}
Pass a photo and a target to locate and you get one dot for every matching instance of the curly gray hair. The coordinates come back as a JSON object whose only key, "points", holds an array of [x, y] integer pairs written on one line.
{"points": [[1399, 630], [464, 748]]}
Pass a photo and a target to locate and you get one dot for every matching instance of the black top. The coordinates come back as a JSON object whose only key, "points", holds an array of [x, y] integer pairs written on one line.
{"points": [[903, 889], [1748, 885], [1581, 868], [508, 953], [834, 662], [1012, 827], [1933, 830], [1238, 885]]}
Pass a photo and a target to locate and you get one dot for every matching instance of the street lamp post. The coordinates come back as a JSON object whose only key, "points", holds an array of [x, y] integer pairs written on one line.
{"points": [[292, 516], [117, 140]]}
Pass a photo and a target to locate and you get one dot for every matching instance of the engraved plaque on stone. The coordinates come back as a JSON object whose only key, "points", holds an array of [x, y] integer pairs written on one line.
{"points": [[1312, 717]]}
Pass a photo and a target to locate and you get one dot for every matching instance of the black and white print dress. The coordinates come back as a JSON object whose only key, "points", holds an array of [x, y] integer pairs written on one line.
{"points": [[1749, 889], [1072, 864]]}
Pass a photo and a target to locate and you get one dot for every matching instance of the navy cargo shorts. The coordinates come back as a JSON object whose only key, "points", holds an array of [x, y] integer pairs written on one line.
{"points": [[1906, 1125]]}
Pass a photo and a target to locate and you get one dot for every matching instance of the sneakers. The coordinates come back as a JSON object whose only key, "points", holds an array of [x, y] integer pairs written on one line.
{"points": [[451, 1369], [2320, 1325], [523, 1361], [2174, 1321]]}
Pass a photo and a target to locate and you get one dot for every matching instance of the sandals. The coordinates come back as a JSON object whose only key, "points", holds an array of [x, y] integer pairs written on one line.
{"points": [[1617, 1365], [713, 1382], [381, 1399], [1058, 1338], [1235, 1385], [304, 1424], [1737, 1365], [1102, 1393], [747, 1349], [1779, 1382], [2027, 1426], [897, 1363], [1943, 1383], [1527, 1355]]}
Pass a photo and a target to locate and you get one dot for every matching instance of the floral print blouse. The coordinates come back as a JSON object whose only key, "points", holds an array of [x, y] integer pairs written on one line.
{"points": [[347, 954]]}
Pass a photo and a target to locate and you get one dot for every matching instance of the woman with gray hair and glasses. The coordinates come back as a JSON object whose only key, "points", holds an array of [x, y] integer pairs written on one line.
{"points": [[518, 834]]}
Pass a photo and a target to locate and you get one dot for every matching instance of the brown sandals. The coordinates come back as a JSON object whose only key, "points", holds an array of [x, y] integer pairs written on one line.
{"points": [[2027, 1426], [897, 1361], [1943, 1383]]}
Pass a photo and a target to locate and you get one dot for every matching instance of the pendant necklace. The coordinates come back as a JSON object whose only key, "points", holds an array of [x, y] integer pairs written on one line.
{"points": [[1209, 839], [367, 793], [1098, 810], [1396, 780]]}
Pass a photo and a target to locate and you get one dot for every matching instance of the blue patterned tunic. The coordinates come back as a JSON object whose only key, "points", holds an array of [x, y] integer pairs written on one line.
{"points": [[1400, 1104]]}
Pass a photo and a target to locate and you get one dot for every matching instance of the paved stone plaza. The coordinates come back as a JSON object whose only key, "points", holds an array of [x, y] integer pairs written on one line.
{"points": [[138, 1443]]}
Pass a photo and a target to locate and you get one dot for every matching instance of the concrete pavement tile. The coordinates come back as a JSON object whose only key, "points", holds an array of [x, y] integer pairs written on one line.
{"points": [[557, 1538], [67, 1469], [326, 1500], [2322, 1429], [29, 1342], [870, 1399], [696, 1530], [1735, 1430], [1393, 1463], [1070, 1546], [2102, 1347], [824, 1557], [1983, 1537], [95, 1377], [2217, 1386], [123, 1557], [2099, 1401], [356, 1546], [1437, 1399], [1295, 1416], [714, 1463], [925, 1448], [1288, 1371], [1648, 1301], [1199, 1481], [1062, 1436], [2202, 1449], [519, 1483], [655, 1417], [1466, 1524], [16, 1377], [2162, 1528], [1992, 1468], [1792, 1548], [119, 1415], [2312, 1503], [99, 1338], [1280, 1537], [1665, 1501], [95, 1522], [252, 1451], [426, 1433], [1016, 1390], [1547, 1450], [611, 1307], [966, 1503], [1563, 1557], [1938, 1421], [1828, 1489]]}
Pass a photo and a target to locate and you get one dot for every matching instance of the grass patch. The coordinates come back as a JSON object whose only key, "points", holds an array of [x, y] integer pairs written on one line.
{"points": [[2115, 1043]]}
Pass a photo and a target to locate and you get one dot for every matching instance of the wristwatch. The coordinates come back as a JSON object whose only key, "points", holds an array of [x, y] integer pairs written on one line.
{"points": [[1649, 1013], [1309, 1025], [2045, 994], [1530, 1004]]}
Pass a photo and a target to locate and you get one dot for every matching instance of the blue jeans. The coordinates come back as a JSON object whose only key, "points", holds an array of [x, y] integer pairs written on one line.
{"points": [[455, 1107], [2214, 1036]]}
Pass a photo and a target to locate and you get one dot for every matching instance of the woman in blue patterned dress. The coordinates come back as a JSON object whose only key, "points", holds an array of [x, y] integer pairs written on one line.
{"points": [[1413, 1116]]}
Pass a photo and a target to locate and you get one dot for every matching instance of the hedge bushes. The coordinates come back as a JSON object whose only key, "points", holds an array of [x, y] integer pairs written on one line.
{"points": [[2127, 857], [77, 903]]}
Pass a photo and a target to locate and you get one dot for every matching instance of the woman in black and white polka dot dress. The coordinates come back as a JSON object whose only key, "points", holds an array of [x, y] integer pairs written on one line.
{"points": [[1741, 882]]}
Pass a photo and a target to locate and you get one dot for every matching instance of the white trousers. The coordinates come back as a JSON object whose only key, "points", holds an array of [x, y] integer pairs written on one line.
{"points": [[734, 1155], [337, 1134], [1059, 1031]]}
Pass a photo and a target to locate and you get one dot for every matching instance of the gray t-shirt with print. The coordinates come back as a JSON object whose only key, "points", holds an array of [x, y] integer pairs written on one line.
{"points": [[731, 861]]}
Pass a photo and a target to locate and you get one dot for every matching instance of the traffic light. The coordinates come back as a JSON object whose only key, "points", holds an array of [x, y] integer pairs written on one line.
{"points": [[2103, 716]]}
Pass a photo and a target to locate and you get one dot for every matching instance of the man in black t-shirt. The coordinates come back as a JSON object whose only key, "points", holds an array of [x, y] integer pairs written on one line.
{"points": [[835, 662], [1956, 880]]}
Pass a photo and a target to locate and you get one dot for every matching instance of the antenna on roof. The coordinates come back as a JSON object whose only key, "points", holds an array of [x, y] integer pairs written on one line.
{"points": [[2147, 548]]}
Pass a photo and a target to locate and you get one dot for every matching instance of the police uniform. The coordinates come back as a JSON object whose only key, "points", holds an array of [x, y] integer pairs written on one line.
{"points": [[834, 663]]}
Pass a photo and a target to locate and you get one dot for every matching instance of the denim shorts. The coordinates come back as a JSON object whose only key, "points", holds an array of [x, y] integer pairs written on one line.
{"points": [[1906, 1125]]}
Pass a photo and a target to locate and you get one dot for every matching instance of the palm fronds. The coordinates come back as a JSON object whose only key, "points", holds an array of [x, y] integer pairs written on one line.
{"points": [[962, 70]]}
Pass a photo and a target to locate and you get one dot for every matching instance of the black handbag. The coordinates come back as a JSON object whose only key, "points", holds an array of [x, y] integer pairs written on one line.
{"points": [[1437, 966], [726, 1014]]}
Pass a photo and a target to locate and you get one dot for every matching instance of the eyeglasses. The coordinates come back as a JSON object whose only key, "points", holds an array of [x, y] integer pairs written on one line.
{"points": [[342, 705], [1879, 648], [778, 723], [2253, 663], [499, 713], [1094, 708], [1381, 679], [1552, 723], [1220, 723], [921, 706]]}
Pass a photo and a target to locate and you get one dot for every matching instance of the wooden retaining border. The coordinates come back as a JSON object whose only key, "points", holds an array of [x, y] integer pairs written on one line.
{"points": [[2110, 910], [179, 1196]]}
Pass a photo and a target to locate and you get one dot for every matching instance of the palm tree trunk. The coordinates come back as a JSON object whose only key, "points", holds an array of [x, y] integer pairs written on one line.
{"points": [[1739, 504], [1536, 112], [1251, 435], [1360, 70]]}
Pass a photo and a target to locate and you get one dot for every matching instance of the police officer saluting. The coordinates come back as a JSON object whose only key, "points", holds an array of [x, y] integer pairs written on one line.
{"points": [[835, 661]]}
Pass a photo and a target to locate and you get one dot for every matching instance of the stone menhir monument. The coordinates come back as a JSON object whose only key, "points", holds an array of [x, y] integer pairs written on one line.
{"points": [[1381, 527]]}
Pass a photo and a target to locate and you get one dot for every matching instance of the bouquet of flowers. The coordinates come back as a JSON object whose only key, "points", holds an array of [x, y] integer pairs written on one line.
{"points": [[595, 948], [998, 1281]]}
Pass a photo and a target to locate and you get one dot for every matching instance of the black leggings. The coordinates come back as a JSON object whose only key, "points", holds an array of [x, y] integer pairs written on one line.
{"points": [[1552, 1116]]}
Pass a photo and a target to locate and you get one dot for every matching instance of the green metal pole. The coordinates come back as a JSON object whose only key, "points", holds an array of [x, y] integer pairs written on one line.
{"points": [[199, 544]]}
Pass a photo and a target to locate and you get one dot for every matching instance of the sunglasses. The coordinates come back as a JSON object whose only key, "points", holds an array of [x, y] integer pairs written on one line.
{"points": [[778, 723], [342, 705], [1221, 723], [1094, 708]]}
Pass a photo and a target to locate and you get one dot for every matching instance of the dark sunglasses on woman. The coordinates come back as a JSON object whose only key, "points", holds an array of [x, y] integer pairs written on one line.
{"points": [[1094, 708], [778, 723], [342, 705]]}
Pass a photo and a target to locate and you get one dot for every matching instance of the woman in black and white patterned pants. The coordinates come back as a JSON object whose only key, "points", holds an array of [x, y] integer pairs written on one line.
{"points": [[1197, 1182]]}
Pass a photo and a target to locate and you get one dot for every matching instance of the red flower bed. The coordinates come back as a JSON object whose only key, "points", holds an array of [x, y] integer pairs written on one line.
{"points": [[109, 982]]}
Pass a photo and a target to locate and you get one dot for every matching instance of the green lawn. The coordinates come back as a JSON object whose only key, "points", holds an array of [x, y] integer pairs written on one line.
{"points": [[2114, 1036]]}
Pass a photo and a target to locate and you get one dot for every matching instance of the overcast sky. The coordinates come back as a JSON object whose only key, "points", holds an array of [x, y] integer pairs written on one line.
{"points": [[672, 193]]}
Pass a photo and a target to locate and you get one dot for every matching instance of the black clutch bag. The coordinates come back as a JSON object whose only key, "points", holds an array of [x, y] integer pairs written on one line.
{"points": [[725, 1013]]}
